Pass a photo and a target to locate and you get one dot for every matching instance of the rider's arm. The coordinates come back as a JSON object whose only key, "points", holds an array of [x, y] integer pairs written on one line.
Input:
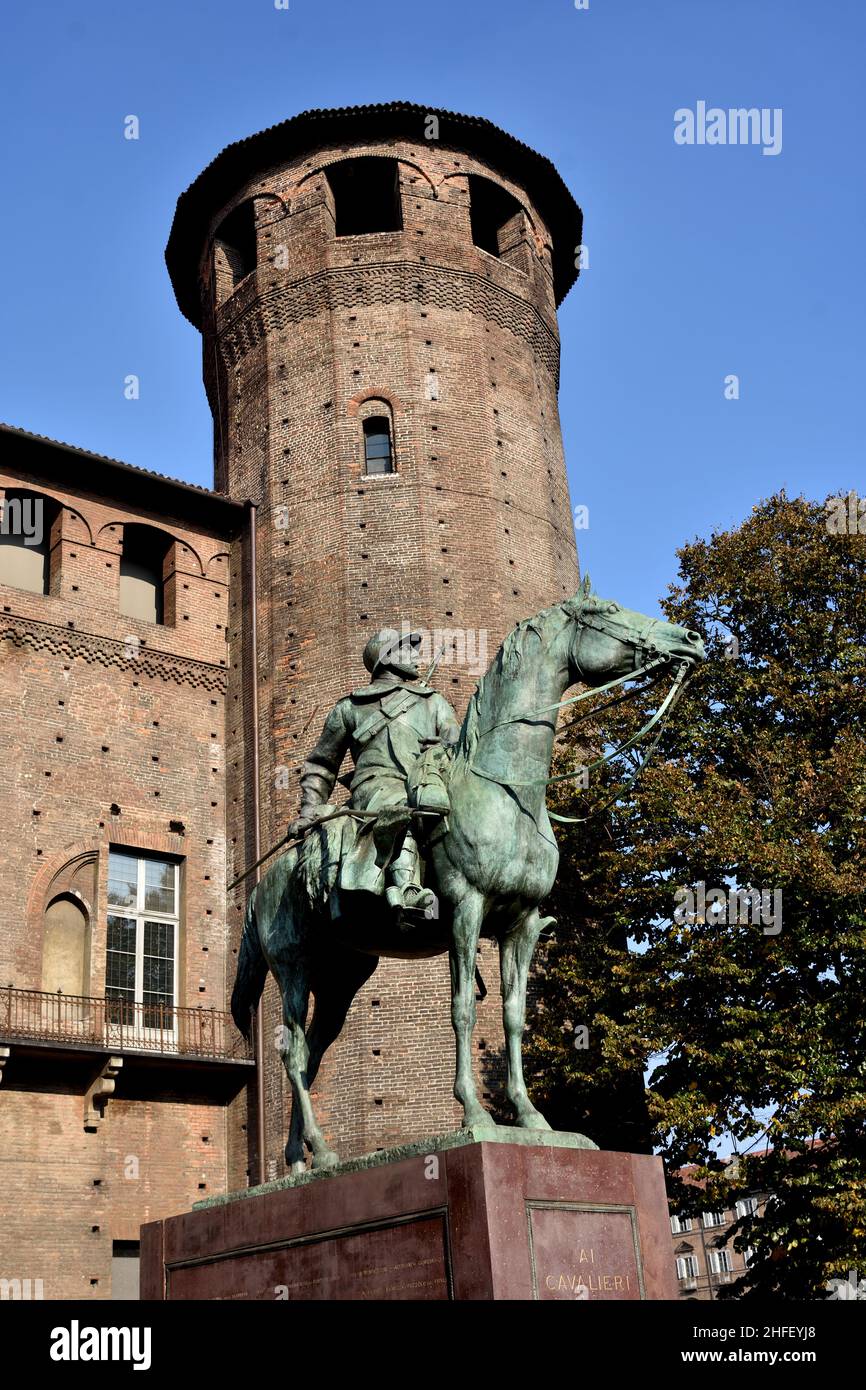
{"points": [[320, 771], [447, 726]]}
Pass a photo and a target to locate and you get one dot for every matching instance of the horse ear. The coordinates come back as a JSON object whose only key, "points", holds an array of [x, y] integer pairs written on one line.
{"points": [[587, 585]]}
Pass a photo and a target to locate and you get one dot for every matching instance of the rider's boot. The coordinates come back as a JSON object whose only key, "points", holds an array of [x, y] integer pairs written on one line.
{"points": [[404, 894]]}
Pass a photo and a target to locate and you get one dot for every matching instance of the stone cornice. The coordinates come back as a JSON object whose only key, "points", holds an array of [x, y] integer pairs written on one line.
{"points": [[109, 652]]}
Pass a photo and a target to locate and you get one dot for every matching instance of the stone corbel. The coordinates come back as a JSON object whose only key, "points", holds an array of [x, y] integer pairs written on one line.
{"points": [[97, 1096]]}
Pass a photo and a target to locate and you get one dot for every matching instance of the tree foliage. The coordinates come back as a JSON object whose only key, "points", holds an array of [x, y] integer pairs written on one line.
{"points": [[703, 1031]]}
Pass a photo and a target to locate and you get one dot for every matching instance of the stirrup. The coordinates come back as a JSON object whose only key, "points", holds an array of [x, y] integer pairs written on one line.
{"points": [[413, 902], [418, 899], [410, 895]]}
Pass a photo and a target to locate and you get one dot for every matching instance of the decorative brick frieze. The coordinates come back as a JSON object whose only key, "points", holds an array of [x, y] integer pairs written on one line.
{"points": [[107, 651], [390, 282]]}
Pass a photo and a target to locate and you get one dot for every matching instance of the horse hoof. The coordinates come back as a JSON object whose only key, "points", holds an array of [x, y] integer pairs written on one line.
{"points": [[479, 1119], [531, 1119]]}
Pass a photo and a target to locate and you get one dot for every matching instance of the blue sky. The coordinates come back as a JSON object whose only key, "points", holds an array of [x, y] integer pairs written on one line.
{"points": [[704, 260]]}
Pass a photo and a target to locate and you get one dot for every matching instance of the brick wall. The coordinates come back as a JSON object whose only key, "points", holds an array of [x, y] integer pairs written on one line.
{"points": [[472, 531], [113, 733]]}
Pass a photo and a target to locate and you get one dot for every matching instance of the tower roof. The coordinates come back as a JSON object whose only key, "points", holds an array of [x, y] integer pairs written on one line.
{"points": [[240, 161]]}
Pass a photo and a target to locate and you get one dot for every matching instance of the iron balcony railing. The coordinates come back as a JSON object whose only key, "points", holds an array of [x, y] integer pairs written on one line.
{"points": [[120, 1025]]}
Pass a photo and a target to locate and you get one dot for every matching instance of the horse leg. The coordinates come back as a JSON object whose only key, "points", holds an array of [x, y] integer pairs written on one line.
{"points": [[292, 974], [468, 916], [515, 954], [333, 999]]}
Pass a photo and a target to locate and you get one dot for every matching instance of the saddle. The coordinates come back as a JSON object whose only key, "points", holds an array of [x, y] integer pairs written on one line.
{"points": [[347, 856]]}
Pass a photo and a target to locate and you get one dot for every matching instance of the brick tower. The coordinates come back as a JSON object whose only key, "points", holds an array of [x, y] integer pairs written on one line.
{"points": [[376, 289]]}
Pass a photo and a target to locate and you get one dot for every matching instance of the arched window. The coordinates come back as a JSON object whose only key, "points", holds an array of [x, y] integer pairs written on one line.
{"points": [[142, 566], [234, 249], [378, 452], [491, 208], [26, 522], [366, 195]]}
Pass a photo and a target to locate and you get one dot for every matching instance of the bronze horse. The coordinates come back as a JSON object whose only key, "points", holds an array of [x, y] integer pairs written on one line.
{"points": [[491, 863]]}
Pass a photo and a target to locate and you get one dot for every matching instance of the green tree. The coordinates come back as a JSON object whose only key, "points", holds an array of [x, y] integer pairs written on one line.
{"points": [[747, 1034]]}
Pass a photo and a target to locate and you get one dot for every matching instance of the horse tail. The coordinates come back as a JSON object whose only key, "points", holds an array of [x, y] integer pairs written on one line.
{"points": [[252, 971]]}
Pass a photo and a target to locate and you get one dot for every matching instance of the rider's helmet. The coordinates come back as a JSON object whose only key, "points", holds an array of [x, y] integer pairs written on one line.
{"points": [[388, 643]]}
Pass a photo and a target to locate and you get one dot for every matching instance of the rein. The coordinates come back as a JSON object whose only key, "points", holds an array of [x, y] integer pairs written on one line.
{"points": [[653, 666]]}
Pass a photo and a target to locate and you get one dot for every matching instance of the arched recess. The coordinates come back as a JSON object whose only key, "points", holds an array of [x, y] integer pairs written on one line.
{"points": [[30, 524], [68, 877], [497, 218], [235, 245], [150, 561], [66, 946]]}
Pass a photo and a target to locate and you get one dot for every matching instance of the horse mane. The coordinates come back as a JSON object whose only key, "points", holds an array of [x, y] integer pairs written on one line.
{"points": [[508, 661]]}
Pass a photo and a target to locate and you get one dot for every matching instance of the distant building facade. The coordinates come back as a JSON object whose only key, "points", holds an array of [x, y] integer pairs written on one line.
{"points": [[704, 1263], [703, 1251]]}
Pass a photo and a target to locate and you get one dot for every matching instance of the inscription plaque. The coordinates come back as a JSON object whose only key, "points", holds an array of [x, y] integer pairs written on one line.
{"points": [[585, 1253]]}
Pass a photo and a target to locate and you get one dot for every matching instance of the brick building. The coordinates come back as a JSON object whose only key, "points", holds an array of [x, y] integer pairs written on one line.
{"points": [[703, 1250], [376, 290]]}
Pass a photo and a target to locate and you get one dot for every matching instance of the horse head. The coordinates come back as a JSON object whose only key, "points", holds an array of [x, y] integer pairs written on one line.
{"points": [[610, 641]]}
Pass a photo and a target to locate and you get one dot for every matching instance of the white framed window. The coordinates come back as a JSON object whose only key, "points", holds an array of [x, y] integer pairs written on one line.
{"points": [[719, 1262], [142, 942], [687, 1267], [713, 1218], [747, 1206], [680, 1225]]}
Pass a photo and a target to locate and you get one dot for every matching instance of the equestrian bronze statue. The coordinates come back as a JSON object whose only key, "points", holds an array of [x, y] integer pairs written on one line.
{"points": [[446, 838]]}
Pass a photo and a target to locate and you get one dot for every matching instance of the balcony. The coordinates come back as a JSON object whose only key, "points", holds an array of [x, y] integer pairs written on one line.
{"points": [[75, 1022]]}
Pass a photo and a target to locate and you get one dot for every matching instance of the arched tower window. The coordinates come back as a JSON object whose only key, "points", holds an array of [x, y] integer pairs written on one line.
{"points": [[234, 249], [142, 569], [366, 195], [491, 208], [27, 520], [378, 454], [377, 426]]}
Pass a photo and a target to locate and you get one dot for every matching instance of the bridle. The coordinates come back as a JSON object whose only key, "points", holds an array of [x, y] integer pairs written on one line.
{"points": [[656, 661]]}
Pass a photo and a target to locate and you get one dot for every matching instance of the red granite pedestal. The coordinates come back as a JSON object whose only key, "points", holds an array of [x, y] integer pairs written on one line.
{"points": [[478, 1220]]}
